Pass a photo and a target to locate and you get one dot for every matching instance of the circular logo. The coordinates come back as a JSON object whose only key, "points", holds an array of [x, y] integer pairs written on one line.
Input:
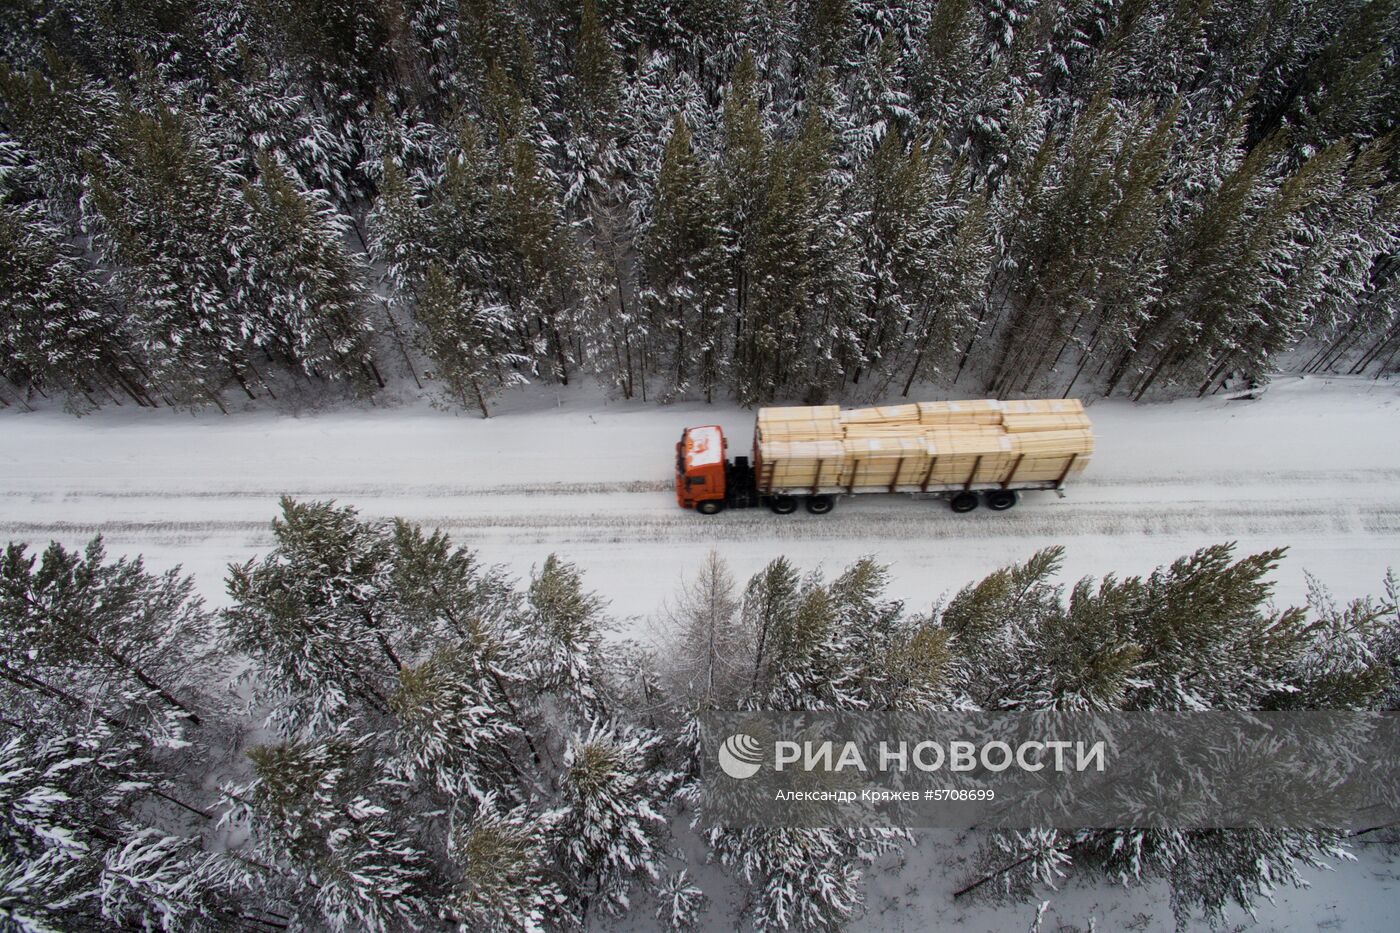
{"points": [[740, 756]]}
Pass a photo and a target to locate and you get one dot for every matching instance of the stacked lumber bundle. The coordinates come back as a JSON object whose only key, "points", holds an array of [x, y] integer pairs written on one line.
{"points": [[925, 445], [975, 411], [885, 461], [800, 423], [1046, 455], [807, 464], [881, 415], [1044, 406], [1026, 424], [959, 452], [801, 446]]}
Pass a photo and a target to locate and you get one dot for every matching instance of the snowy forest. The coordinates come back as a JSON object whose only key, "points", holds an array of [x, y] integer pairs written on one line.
{"points": [[210, 200], [383, 732]]}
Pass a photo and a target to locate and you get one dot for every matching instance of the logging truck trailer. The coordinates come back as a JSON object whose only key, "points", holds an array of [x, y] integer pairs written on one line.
{"points": [[967, 453]]}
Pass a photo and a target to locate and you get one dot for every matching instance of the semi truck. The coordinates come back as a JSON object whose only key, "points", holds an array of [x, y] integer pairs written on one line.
{"points": [[966, 452]]}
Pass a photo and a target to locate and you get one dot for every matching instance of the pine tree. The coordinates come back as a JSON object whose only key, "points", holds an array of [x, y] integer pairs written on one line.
{"points": [[322, 813], [682, 903], [318, 614], [469, 342], [105, 639], [806, 879], [163, 213], [453, 728], [310, 290], [566, 624], [613, 818], [76, 850], [57, 332], [505, 858], [595, 64], [536, 258], [687, 270], [58, 114]]}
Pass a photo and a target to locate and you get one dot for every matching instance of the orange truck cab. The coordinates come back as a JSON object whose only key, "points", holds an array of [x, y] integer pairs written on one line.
{"points": [[700, 469]]}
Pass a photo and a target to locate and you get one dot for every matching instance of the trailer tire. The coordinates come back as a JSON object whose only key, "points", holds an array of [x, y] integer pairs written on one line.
{"points": [[782, 505], [999, 500], [963, 502], [820, 505], [710, 507]]}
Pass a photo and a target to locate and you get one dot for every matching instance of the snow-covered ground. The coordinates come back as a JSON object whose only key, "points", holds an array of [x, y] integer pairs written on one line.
{"points": [[1314, 465]]}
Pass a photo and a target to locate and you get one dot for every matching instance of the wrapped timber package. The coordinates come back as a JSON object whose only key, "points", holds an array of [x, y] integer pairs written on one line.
{"points": [[1028, 423], [975, 411], [806, 464], [1046, 456], [800, 423], [1044, 406], [884, 415], [962, 455], [826, 430], [884, 462]]}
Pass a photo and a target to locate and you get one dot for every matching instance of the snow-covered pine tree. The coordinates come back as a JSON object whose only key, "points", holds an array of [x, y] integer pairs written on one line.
{"points": [[455, 723], [1199, 634], [106, 639], [458, 226], [468, 340], [262, 108], [988, 625], [803, 879], [595, 69], [681, 903], [57, 332], [901, 662], [57, 113], [1093, 251], [954, 281], [537, 257], [879, 101], [331, 825], [319, 616], [508, 881], [798, 272], [890, 227], [77, 848], [307, 289], [164, 216], [399, 230], [565, 624], [613, 818], [686, 261]]}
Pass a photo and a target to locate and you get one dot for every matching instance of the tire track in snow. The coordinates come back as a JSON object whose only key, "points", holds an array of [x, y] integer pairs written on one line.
{"points": [[910, 521], [1269, 479]]}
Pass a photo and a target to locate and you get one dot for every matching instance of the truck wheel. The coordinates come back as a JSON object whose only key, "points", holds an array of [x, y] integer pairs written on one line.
{"points": [[782, 505], [820, 505], [999, 500], [710, 507], [963, 502]]}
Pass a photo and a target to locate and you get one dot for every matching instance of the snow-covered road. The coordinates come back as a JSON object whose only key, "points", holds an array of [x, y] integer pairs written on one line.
{"points": [[1314, 465]]}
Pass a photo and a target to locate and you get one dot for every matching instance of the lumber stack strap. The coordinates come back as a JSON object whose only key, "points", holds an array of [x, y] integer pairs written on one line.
{"points": [[925, 445]]}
